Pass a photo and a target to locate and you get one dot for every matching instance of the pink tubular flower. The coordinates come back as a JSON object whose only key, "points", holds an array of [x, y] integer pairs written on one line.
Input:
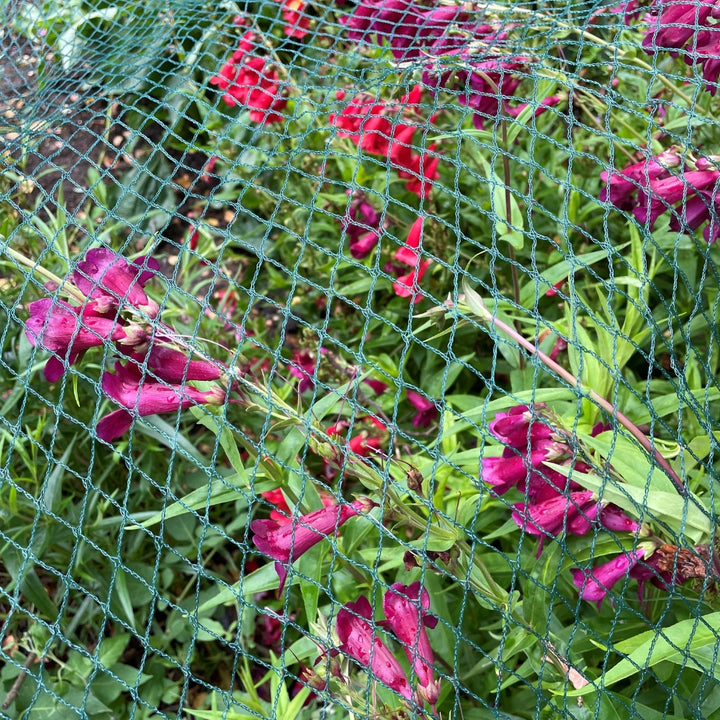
{"points": [[408, 285], [405, 608], [520, 425], [286, 542], [690, 28], [676, 24], [486, 88], [68, 331], [175, 367], [426, 409], [359, 641], [303, 367], [141, 395], [595, 583], [562, 513], [516, 468], [649, 189], [614, 519], [110, 280], [382, 128], [362, 225]]}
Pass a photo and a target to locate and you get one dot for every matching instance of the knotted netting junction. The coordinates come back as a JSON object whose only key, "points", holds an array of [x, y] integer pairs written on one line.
{"points": [[359, 359]]}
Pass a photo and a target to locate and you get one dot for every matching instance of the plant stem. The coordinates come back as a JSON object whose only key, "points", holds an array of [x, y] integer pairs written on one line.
{"points": [[43, 272]]}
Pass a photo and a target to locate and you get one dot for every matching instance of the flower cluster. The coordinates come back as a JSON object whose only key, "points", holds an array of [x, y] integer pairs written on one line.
{"points": [[154, 373], [554, 504], [666, 182], [485, 85], [296, 19], [380, 128], [406, 612], [411, 31], [362, 226], [252, 82], [689, 28]]}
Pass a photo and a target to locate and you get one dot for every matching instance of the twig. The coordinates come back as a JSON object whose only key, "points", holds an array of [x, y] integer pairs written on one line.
{"points": [[15, 689]]}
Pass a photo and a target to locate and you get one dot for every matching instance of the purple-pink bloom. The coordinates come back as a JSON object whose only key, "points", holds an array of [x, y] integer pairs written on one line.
{"points": [[303, 367], [557, 514], [614, 519], [426, 409], [141, 395], [362, 225], [359, 641], [287, 541], [621, 186], [516, 467], [174, 366], [67, 331], [676, 24], [690, 28], [110, 279], [405, 608], [595, 583], [519, 425], [648, 189], [706, 53]]}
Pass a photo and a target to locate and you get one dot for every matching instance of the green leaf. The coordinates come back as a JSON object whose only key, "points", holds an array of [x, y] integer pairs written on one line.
{"points": [[629, 460], [112, 648], [262, 580], [537, 600], [503, 199], [222, 490], [686, 643]]}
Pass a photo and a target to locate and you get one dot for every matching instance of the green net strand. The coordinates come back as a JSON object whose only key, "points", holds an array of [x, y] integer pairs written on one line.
{"points": [[359, 359]]}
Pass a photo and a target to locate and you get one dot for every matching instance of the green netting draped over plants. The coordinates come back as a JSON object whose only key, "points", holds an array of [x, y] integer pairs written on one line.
{"points": [[359, 359]]}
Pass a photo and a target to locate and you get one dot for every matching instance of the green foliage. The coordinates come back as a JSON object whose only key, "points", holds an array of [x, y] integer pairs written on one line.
{"points": [[130, 586]]}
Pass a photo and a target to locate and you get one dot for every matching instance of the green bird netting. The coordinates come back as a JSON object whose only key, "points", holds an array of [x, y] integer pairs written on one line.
{"points": [[359, 359]]}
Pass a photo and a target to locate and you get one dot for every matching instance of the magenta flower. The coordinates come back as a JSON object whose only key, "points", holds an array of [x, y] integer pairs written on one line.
{"points": [[359, 640], [110, 280], [411, 31], [286, 542], [562, 513], [707, 54], [140, 395], [595, 583], [665, 192], [408, 285], [516, 468], [303, 367], [519, 425], [649, 189], [426, 409], [405, 608], [676, 24], [614, 519], [486, 88], [362, 225], [174, 366], [621, 186], [67, 331], [690, 27]]}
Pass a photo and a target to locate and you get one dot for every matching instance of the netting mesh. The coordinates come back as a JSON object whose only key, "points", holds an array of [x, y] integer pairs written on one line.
{"points": [[359, 359]]}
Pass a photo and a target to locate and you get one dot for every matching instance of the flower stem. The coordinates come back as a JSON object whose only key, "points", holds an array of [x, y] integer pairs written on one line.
{"points": [[43, 272]]}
